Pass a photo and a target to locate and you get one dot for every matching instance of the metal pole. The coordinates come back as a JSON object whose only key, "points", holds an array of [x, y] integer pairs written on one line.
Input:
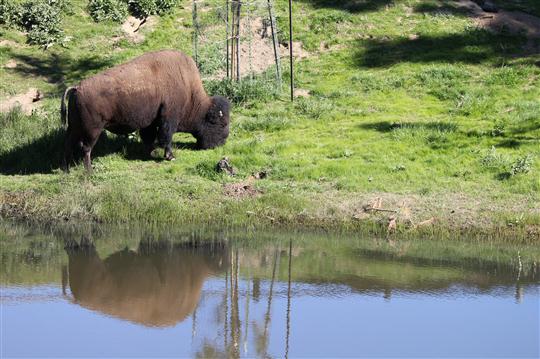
{"points": [[274, 41], [195, 33], [233, 30], [227, 33], [291, 49], [238, 9]]}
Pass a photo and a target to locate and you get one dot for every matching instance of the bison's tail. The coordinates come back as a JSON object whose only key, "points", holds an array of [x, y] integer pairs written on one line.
{"points": [[63, 109]]}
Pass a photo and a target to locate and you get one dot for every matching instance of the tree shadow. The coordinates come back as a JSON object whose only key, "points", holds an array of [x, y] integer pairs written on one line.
{"points": [[472, 47], [386, 126], [441, 8], [352, 6], [44, 155], [58, 69]]}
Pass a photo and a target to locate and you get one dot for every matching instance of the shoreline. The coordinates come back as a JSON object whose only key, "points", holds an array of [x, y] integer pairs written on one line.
{"points": [[399, 223]]}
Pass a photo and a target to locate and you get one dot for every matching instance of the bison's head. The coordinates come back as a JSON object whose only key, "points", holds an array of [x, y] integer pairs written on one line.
{"points": [[214, 129]]}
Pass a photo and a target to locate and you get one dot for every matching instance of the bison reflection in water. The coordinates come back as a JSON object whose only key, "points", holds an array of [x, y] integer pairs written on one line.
{"points": [[158, 285]]}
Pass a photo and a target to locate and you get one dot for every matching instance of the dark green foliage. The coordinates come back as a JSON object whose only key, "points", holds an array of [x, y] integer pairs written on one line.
{"points": [[521, 165], [164, 6], [41, 19], [8, 13], [145, 8], [102, 10]]}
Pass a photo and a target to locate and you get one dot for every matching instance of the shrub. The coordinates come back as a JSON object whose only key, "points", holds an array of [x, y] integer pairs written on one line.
{"points": [[8, 13], [314, 108], [521, 165], [494, 160], [243, 91], [42, 20], [145, 8], [102, 10], [164, 6]]}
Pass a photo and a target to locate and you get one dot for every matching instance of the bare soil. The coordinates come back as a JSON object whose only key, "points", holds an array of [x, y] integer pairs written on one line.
{"points": [[514, 22], [262, 48], [132, 27], [240, 190], [28, 101], [11, 64], [9, 43]]}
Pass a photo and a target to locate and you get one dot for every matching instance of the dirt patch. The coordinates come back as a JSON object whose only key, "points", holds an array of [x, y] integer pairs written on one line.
{"points": [[9, 43], [28, 101], [240, 190], [514, 22], [262, 48], [301, 93], [11, 64], [132, 27]]}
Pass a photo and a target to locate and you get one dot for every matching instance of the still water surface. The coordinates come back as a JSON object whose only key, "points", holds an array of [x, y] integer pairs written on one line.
{"points": [[135, 297]]}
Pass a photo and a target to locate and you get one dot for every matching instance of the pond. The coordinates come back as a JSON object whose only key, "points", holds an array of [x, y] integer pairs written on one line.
{"points": [[95, 293]]}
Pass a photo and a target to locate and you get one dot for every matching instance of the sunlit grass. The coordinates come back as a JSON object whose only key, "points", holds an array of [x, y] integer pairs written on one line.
{"points": [[441, 121]]}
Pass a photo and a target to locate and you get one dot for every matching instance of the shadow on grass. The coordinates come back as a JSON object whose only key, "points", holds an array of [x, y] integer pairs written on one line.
{"points": [[44, 155], [58, 69], [473, 47], [349, 5], [442, 8], [385, 126]]}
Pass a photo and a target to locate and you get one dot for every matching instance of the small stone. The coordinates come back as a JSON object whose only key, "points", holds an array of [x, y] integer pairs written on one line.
{"points": [[488, 6], [224, 166]]}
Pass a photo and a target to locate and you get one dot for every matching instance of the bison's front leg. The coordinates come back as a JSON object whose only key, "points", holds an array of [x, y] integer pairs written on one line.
{"points": [[166, 130]]}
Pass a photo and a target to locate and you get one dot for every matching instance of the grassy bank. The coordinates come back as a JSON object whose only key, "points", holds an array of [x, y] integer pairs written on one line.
{"points": [[411, 106]]}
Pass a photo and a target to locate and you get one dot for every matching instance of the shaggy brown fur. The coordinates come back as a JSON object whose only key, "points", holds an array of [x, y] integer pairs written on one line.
{"points": [[158, 93]]}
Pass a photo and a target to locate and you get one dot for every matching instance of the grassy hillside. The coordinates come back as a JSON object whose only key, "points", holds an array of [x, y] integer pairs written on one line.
{"points": [[409, 101]]}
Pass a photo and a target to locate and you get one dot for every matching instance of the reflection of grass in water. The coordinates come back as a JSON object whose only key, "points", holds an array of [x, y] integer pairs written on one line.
{"points": [[35, 255]]}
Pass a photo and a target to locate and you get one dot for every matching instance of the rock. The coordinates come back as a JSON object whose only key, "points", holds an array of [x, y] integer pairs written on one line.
{"points": [[488, 6], [224, 166]]}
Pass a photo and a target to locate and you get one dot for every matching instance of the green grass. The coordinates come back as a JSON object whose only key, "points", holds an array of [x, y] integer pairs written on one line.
{"points": [[437, 123]]}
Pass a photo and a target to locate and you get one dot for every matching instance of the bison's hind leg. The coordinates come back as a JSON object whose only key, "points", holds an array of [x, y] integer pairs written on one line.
{"points": [[88, 143], [148, 137], [72, 139]]}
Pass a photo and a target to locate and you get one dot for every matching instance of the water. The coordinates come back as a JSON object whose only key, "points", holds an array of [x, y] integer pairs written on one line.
{"points": [[63, 296]]}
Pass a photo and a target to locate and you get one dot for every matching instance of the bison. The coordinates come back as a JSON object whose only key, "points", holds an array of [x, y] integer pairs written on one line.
{"points": [[158, 93]]}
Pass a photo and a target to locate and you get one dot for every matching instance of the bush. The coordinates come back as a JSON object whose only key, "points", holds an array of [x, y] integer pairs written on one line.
{"points": [[243, 91], [42, 20], [102, 10], [8, 13], [164, 6], [145, 8], [521, 165]]}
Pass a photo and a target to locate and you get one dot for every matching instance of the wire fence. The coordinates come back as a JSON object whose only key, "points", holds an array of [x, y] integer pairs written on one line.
{"points": [[238, 40]]}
